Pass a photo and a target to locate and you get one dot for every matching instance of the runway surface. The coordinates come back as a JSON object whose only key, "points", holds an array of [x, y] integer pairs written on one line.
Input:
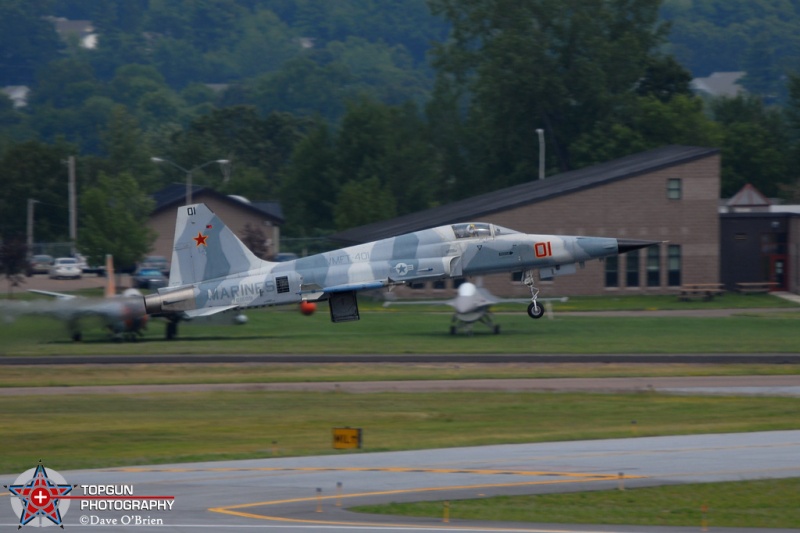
{"points": [[303, 494]]}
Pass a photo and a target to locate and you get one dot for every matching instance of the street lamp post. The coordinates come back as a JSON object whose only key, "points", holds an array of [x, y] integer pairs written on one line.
{"points": [[188, 172], [540, 132], [31, 203]]}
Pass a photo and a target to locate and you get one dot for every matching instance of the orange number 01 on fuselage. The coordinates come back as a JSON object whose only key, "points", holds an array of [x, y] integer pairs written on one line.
{"points": [[543, 249]]}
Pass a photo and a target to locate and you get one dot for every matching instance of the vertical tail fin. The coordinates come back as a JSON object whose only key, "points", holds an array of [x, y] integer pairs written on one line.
{"points": [[111, 287], [205, 248]]}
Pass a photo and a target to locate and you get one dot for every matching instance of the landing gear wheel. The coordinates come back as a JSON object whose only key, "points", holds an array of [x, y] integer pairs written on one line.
{"points": [[535, 310], [172, 330]]}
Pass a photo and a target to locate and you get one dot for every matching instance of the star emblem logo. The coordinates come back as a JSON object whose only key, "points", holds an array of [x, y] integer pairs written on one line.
{"points": [[200, 239], [401, 269], [39, 496]]}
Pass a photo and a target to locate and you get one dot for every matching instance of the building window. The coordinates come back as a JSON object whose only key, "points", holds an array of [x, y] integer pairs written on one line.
{"points": [[457, 282], [439, 284], [674, 189], [654, 266], [674, 265], [632, 269], [516, 277], [612, 271]]}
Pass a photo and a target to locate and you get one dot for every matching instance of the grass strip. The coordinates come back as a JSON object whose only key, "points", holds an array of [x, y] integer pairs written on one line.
{"points": [[756, 504], [404, 332], [128, 429]]}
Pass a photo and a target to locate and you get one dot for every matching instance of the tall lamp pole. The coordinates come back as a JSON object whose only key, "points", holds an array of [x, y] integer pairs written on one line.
{"points": [[540, 132], [31, 203], [188, 172]]}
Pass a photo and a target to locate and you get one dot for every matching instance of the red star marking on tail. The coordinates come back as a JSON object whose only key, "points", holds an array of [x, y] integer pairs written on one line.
{"points": [[200, 239]]}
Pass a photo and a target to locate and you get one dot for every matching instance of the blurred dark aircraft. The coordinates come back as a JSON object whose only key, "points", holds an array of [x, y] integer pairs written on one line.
{"points": [[123, 315]]}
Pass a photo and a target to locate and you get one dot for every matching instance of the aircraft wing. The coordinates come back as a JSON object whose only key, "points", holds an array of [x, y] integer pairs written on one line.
{"points": [[369, 285], [208, 311], [59, 295]]}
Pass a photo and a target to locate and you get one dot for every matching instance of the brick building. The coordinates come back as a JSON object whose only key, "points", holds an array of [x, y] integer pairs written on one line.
{"points": [[669, 194]]}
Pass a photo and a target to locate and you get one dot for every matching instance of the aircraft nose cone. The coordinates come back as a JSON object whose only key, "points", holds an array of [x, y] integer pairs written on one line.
{"points": [[628, 245]]}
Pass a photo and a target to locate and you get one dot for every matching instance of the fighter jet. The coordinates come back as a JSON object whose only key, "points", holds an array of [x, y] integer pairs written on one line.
{"points": [[123, 315], [213, 271], [472, 305]]}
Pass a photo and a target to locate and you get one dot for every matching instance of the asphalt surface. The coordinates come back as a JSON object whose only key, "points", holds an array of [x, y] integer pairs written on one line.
{"points": [[313, 493], [781, 385]]}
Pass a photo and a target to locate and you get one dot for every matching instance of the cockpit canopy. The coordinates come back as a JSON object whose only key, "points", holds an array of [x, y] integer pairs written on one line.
{"points": [[481, 230]]}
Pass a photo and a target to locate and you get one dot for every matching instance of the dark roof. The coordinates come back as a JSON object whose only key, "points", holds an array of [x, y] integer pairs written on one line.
{"points": [[174, 195], [527, 193]]}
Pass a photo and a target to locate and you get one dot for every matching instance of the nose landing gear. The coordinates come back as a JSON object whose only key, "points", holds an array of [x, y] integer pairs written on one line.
{"points": [[534, 309]]}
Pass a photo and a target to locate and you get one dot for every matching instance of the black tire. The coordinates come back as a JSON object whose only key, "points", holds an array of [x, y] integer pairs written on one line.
{"points": [[535, 310], [172, 330]]}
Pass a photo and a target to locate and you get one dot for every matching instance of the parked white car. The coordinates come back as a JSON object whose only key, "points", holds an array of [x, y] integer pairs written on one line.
{"points": [[65, 268]]}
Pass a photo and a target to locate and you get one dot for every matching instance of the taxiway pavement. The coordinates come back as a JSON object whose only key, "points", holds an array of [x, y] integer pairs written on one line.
{"points": [[312, 493]]}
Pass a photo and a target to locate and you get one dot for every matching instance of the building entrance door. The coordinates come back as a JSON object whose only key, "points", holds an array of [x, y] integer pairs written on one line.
{"points": [[777, 271]]}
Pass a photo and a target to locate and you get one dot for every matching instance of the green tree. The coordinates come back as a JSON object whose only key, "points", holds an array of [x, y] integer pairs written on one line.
{"points": [[664, 78], [562, 66], [263, 44], [362, 202], [27, 40], [390, 143], [302, 87], [127, 151], [755, 145], [758, 37], [312, 184], [114, 216], [383, 153], [650, 124], [35, 170], [259, 148], [65, 83]]}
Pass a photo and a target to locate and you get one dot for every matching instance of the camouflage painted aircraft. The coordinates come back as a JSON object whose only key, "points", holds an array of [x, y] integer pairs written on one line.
{"points": [[213, 271]]}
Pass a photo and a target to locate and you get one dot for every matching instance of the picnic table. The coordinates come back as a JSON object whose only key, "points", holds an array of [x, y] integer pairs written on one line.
{"points": [[753, 287], [705, 291]]}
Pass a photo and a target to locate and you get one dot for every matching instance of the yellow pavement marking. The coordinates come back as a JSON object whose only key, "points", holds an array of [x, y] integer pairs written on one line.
{"points": [[567, 477]]}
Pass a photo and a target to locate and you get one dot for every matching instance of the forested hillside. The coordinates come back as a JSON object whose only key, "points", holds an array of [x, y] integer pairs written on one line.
{"points": [[760, 37], [350, 111]]}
